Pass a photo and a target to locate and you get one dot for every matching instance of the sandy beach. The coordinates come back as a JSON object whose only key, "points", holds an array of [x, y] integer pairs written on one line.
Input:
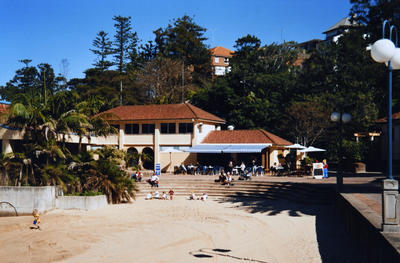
{"points": [[217, 230]]}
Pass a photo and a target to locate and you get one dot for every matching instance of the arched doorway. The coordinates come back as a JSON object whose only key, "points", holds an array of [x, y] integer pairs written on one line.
{"points": [[132, 157], [148, 158]]}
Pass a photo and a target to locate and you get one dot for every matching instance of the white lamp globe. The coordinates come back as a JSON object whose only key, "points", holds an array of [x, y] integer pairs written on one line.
{"points": [[335, 116], [395, 61], [382, 50], [346, 117]]}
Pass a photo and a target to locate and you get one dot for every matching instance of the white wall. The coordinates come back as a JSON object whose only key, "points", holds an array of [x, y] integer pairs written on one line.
{"points": [[26, 198], [81, 202], [203, 131], [43, 198]]}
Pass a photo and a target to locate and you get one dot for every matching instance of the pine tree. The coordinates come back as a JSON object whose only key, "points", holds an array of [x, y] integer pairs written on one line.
{"points": [[125, 42], [102, 48]]}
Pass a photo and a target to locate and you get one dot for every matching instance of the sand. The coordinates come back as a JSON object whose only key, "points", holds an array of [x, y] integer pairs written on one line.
{"points": [[177, 231]]}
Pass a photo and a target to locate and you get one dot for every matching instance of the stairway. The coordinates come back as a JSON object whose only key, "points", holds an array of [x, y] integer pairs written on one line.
{"points": [[296, 192]]}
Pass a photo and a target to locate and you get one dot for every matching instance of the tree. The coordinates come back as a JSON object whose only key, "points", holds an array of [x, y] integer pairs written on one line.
{"points": [[102, 49], [161, 78], [125, 42], [255, 93], [184, 41]]}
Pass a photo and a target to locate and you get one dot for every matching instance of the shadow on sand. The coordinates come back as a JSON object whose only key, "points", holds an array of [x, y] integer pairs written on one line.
{"points": [[334, 244]]}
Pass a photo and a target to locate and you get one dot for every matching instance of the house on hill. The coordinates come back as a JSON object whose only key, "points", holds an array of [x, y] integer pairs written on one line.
{"points": [[220, 60]]}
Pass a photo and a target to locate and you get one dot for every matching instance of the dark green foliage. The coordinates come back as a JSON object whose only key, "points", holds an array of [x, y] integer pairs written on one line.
{"points": [[184, 40], [102, 49], [125, 43]]}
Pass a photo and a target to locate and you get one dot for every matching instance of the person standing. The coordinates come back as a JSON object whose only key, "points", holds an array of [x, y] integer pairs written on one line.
{"points": [[171, 194], [325, 168]]}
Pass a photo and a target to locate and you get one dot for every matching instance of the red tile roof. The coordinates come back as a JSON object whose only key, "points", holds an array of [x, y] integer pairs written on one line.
{"points": [[3, 108], [244, 136], [395, 116], [159, 112], [221, 52]]}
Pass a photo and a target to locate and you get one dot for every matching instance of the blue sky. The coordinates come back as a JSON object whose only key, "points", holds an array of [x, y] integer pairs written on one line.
{"points": [[52, 30]]}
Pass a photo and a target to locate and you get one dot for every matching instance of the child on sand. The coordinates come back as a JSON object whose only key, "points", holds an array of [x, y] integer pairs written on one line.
{"points": [[164, 196], [171, 194], [36, 221]]}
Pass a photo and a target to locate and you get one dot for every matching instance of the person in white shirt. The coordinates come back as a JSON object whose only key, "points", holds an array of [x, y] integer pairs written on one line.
{"points": [[204, 197], [154, 180], [164, 196], [157, 195], [242, 167], [149, 196]]}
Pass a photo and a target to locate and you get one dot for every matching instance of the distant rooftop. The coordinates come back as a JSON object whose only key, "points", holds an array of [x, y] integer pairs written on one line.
{"points": [[221, 51], [345, 22]]}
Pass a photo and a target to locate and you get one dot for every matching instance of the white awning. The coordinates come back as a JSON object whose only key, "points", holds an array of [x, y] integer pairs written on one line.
{"points": [[207, 148], [246, 148], [228, 148]]}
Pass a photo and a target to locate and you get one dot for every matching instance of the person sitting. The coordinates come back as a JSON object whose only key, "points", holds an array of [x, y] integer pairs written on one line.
{"points": [[221, 177], [183, 168], [154, 180], [192, 196], [164, 196], [156, 195], [274, 169], [204, 197], [242, 168], [138, 176], [229, 179], [149, 196]]}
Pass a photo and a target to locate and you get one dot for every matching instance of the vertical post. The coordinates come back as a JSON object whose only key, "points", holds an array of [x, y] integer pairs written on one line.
{"points": [[120, 92], [390, 174], [339, 176], [390, 215], [183, 81]]}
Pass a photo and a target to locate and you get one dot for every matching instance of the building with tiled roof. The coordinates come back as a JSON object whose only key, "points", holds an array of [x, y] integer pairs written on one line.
{"points": [[220, 60], [160, 112], [173, 134], [243, 145]]}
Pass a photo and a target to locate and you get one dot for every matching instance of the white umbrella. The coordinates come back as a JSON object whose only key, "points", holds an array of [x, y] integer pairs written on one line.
{"points": [[312, 149], [295, 146]]}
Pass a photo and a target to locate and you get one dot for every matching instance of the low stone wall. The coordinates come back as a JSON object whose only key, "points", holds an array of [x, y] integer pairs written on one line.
{"points": [[81, 202], [26, 198], [45, 198], [364, 228]]}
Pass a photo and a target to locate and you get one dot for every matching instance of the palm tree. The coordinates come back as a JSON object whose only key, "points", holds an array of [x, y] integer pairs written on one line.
{"points": [[106, 176]]}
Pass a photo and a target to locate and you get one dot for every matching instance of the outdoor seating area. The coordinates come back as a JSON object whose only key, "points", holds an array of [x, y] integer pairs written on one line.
{"points": [[217, 169]]}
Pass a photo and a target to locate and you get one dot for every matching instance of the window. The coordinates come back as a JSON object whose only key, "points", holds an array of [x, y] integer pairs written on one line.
{"points": [[185, 127], [226, 60], [147, 128], [168, 128], [132, 129], [216, 59], [116, 126]]}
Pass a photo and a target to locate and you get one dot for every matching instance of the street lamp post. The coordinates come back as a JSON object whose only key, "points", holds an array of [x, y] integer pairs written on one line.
{"points": [[340, 118], [385, 51]]}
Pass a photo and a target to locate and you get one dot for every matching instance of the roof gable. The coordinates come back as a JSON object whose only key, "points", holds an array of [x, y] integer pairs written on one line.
{"points": [[244, 136], [221, 51], [159, 112]]}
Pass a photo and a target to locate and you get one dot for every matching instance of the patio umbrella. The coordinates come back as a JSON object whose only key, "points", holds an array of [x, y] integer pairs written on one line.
{"points": [[312, 149], [295, 146]]}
